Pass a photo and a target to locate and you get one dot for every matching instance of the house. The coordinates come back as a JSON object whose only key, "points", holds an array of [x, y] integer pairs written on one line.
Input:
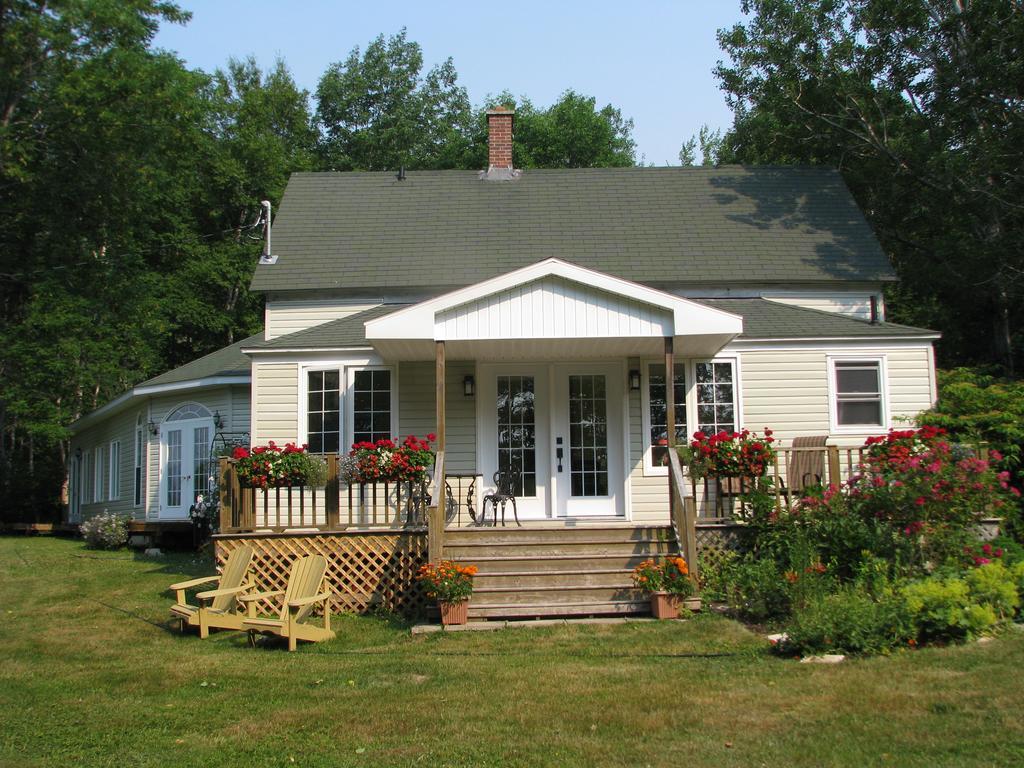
{"points": [[552, 302]]}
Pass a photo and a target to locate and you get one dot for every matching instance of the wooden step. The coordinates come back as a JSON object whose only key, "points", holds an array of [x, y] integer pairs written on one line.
{"points": [[471, 552], [549, 610], [580, 561], [566, 579], [555, 594], [618, 533]]}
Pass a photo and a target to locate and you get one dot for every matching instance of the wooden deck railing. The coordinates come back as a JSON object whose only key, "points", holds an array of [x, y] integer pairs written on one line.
{"points": [[335, 506], [683, 514]]}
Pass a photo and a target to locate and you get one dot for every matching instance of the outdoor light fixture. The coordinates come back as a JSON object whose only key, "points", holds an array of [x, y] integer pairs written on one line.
{"points": [[469, 386], [153, 427], [78, 454], [634, 379], [218, 421]]}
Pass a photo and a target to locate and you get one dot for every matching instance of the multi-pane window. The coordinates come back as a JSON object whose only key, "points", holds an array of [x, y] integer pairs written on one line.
{"points": [[588, 435], [87, 478], [201, 463], [371, 405], [138, 463], [174, 468], [858, 393], [323, 411], [97, 470], [716, 396], [114, 478], [517, 432], [658, 409]]}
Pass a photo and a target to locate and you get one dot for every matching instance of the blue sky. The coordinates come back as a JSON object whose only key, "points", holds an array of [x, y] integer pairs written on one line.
{"points": [[651, 59]]}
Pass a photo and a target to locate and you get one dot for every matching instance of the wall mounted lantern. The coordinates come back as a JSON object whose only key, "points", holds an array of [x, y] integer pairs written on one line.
{"points": [[469, 386], [634, 380]]}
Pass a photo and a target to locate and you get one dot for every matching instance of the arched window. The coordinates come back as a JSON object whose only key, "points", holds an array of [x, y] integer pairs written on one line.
{"points": [[188, 411]]}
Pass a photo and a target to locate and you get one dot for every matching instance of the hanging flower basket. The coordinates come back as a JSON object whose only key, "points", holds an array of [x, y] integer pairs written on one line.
{"points": [[270, 466]]}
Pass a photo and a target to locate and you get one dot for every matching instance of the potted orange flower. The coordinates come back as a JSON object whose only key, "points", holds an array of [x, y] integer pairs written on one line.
{"points": [[668, 584], [451, 585]]}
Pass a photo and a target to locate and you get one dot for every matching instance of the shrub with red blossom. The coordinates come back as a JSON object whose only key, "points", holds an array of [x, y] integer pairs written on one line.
{"points": [[926, 490]]}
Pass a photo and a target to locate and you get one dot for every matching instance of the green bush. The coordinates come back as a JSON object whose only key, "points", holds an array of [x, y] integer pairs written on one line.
{"points": [[105, 531], [994, 585], [941, 610], [849, 621]]}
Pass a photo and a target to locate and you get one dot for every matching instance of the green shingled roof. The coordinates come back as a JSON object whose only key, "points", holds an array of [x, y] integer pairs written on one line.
{"points": [[762, 319], [338, 334], [228, 361], [657, 226]]}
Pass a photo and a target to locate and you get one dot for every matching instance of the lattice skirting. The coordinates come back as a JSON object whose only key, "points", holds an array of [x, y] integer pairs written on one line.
{"points": [[716, 541], [366, 570]]}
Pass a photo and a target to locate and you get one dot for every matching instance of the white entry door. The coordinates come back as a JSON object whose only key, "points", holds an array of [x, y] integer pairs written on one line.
{"points": [[588, 428], [185, 465], [514, 418]]}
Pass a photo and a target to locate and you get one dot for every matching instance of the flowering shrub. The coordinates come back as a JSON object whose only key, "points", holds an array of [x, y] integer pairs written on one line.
{"points": [[920, 489], [673, 576], [383, 460], [729, 454], [447, 582], [105, 531], [269, 466]]}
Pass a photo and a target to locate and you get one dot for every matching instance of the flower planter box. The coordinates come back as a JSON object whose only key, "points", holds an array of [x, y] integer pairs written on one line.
{"points": [[665, 605], [454, 612]]}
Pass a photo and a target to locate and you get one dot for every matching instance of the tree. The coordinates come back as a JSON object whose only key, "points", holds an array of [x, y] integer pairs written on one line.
{"points": [[919, 103], [378, 112], [571, 133], [709, 143]]}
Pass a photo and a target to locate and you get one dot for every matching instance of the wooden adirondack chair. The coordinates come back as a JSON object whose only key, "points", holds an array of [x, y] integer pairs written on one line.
{"points": [[218, 608], [304, 583]]}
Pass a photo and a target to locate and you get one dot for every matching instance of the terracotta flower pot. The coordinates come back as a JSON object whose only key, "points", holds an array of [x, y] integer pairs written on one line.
{"points": [[665, 605], [455, 612]]}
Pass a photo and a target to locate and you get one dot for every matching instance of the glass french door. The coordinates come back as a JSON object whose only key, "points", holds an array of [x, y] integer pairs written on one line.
{"points": [[588, 440], [514, 419], [186, 466]]}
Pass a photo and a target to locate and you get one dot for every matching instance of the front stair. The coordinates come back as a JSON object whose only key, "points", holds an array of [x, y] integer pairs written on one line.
{"points": [[546, 572]]}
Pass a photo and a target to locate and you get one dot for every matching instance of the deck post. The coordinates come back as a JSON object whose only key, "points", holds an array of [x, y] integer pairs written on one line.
{"points": [[227, 472], [834, 476], [435, 513], [332, 490], [670, 393]]}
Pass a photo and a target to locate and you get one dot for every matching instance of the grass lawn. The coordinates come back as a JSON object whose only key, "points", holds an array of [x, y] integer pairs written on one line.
{"points": [[92, 674]]}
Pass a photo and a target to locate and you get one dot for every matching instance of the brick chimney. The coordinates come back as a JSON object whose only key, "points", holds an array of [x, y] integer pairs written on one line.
{"points": [[499, 137]]}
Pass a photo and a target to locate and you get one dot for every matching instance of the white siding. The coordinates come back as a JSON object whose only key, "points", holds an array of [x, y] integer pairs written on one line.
{"points": [[854, 304], [552, 308], [120, 427], [275, 389], [284, 317], [648, 492], [418, 416]]}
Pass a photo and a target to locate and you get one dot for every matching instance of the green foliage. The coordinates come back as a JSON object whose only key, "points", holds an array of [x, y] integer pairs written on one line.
{"points": [[993, 585], [942, 610], [672, 576], [105, 531], [849, 621], [757, 590], [378, 111], [915, 103]]}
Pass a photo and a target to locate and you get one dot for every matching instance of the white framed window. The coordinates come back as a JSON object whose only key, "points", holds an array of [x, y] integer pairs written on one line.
{"points": [[84, 495], [858, 397], [654, 409], [323, 427], [716, 394], [97, 473], [114, 471], [372, 411], [137, 462]]}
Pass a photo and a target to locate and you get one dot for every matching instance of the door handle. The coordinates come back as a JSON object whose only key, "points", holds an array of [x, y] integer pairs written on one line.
{"points": [[558, 452]]}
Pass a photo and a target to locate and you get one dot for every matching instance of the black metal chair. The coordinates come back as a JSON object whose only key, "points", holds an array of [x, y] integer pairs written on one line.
{"points": [[504, 491]]}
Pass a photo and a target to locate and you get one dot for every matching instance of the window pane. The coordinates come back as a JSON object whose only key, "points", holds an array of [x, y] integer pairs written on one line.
{"points": [[856, 379], [517, 432], [716, 397], [371, 405], [323, 433], [658, 410], [867, 413], [588, 444]]}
